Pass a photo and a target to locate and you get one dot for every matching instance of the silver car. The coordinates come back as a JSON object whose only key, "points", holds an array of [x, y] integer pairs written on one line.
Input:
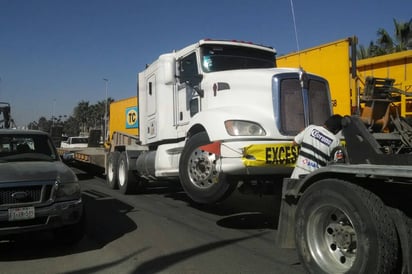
{"points": [[37, 190]]}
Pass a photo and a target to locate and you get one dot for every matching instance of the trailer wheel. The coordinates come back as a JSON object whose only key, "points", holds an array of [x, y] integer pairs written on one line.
{"points": [[111, 171], [198, 174], [344, 228], [128, 182]]}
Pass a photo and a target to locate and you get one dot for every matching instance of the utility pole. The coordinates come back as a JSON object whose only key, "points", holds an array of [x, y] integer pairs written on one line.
{"points": [[54, 110], [105, 111]]}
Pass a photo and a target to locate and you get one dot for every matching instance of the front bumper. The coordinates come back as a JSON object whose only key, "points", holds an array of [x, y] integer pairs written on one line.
{"points": [[46, 218], [257, 157]]}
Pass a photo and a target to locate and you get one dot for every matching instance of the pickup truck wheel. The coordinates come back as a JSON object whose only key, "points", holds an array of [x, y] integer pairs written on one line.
{"points": [[198, 174], [128, 182], [344, 228], [112, 168]]}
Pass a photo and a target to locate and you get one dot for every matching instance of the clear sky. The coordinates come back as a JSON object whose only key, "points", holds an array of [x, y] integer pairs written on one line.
{"points": [[55, 53]]}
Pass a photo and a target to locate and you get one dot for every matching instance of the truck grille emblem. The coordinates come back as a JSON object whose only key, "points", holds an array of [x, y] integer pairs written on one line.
{"points": [[21, 195]]}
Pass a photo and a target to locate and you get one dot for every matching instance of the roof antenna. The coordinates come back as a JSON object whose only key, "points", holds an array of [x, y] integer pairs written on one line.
{"points": [[296, 31], [294, 23], [302, 75]]}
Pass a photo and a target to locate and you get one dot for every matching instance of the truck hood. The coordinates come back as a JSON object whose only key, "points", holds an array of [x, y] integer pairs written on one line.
{"points": [[250, 73], [246, 84], [35, 171], [248, 94]]}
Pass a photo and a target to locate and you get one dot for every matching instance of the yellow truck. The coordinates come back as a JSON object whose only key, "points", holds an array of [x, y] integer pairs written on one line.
{"points": [[124, 117], [336, 61]]}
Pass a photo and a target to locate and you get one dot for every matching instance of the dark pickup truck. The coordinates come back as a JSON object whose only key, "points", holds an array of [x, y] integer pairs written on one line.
{"points": [[37, 190]]}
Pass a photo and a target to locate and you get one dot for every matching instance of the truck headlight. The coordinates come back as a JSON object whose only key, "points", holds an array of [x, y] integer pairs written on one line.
{"points": [[68, 191], [244, 128]]}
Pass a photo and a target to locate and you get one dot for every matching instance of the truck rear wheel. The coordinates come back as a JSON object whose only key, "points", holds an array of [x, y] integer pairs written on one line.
{"points": [[112, 169], [344, 228], [128, 182], [198, 174]]}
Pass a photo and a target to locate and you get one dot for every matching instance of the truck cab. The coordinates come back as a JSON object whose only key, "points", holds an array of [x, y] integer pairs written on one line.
{"points": [[218, 112]]}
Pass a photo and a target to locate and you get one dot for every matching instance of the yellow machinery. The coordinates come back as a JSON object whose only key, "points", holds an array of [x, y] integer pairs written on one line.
{"points": [[396, 66]]}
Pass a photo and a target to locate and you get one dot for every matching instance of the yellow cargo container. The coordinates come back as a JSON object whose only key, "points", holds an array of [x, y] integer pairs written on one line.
{"points": [[334, 61], [124, 117], [331, 61]]}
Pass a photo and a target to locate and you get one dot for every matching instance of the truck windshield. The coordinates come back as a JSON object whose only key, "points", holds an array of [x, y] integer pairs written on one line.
{"points": [[226, 57]]}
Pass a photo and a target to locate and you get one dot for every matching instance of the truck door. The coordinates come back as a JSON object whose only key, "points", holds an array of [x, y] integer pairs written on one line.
{"points": [[150, 105], [188, 103]]}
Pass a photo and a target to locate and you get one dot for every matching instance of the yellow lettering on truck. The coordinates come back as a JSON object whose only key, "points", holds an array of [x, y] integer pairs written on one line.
{"points": [[284, 154]]}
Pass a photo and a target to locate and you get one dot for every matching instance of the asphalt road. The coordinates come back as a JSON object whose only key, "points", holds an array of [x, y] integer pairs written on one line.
{"points": [[159, 231]]}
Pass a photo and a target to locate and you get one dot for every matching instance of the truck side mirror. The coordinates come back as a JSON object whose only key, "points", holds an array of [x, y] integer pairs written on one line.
{"points": [[168, 64], [194, 80]]}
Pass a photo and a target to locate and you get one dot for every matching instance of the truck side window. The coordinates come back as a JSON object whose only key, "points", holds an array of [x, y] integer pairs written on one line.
{"points": [[188, 69], [194, 106]]}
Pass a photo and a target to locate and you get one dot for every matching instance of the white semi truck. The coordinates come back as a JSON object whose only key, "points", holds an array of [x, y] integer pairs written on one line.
{"points": [[214, 114], [218, 113]]}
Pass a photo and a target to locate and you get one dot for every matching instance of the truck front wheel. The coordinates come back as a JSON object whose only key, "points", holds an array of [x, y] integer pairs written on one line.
{"points": [[198, 174], [344, 228], [111, 170]]}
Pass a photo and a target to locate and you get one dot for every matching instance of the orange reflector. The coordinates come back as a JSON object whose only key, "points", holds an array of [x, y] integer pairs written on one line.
{"points": [[212, 148]]}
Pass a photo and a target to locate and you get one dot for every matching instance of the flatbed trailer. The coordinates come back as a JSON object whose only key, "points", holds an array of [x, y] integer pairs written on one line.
{"points": [[95, 156]]}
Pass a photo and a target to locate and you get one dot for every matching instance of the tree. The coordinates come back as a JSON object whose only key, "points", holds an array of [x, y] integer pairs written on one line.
{"points": [[71, 127], [386, 44], [81, 112], [44, 124], [91, 116], [85, 117], [403, 34]]}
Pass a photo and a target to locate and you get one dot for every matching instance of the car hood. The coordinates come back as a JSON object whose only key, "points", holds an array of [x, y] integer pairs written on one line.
{"points": [[35, 171]]}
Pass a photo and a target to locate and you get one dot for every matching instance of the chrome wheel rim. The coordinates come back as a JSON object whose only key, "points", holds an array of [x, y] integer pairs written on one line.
{"points": [[332, 239], [202, 169]]}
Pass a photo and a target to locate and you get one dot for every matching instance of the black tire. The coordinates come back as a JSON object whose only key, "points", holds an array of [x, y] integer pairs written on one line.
{"points": [[403, 225], [127, 181], [112, 169], [344, 228], [407, 258], [71, 234], [198, 175]]}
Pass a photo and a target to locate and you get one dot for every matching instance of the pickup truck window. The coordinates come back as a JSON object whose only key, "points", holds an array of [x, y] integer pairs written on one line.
{"points": [[18, 147], [79, 140], [224, 57]]}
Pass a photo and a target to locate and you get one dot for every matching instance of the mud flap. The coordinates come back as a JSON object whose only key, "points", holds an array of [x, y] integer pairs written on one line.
{"points": [[285, 237]]}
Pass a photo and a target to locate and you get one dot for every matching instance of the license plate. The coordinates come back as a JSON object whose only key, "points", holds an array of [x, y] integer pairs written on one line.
{"points": [[21, 213]]}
